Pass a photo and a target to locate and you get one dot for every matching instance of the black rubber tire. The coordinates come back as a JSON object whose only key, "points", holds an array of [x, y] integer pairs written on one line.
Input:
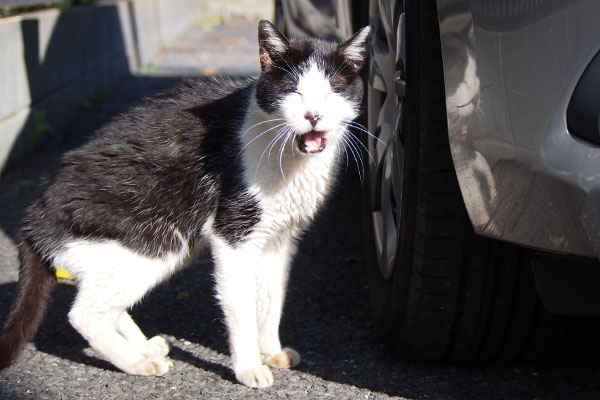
{"points": [[452, 296]]}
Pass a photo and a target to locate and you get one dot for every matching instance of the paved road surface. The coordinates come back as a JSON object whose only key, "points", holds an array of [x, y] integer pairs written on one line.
{"points": [[325, 318]]}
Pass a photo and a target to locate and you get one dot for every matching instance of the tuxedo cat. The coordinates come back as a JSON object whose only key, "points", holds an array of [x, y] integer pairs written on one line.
{"points": [[241, 166], [460, 79], [462, 103]]}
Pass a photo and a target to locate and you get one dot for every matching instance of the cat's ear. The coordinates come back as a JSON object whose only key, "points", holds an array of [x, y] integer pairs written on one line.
{"points": [[355, 49], [272, 44]]}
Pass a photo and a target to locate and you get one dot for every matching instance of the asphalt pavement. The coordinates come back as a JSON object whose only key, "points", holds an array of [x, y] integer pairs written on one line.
{"points": [[326, 313]]}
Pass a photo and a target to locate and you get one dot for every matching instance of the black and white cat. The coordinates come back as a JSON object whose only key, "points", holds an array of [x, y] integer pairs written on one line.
{"points": [[463, 94], [460, 78], [240, 166]]}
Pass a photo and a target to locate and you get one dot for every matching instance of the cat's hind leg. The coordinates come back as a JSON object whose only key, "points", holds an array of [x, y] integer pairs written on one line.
{"points": [[156, 346], [99, 328], [111, 279]]}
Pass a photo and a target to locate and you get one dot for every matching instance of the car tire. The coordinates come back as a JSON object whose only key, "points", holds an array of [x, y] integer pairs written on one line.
{"points": [[438, 291]]}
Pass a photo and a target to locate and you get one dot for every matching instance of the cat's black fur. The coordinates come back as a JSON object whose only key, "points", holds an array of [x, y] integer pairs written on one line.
{"points": [[167, 164], [276, 82], [458, 48]]}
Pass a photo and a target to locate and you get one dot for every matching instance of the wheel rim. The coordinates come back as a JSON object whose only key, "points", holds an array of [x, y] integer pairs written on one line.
{"points": [[386, 94]]}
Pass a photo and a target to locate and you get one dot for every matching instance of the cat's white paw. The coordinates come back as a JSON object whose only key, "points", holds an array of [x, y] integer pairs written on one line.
{"points": [[157, 366], [288, 358], [156, 347], [259, 377]]}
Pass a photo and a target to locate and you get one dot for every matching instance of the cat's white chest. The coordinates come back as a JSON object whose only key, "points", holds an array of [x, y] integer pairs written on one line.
{"points": [[292, 203], [289, 186]]}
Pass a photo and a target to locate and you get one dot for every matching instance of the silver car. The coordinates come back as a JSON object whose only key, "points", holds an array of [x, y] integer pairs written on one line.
{"points": [[482, 189]]}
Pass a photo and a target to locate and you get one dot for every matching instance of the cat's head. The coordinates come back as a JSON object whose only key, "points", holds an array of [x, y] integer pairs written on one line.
{"points": [[314, 85], [462, 83], [460, 78]]}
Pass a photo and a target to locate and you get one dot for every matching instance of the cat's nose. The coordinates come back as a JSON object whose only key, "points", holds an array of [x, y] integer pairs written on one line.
{"points": [[312, 118]]}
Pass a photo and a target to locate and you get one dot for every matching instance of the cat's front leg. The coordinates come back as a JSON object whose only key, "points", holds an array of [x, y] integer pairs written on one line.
{"points": [[272, 283], [235, 275]]}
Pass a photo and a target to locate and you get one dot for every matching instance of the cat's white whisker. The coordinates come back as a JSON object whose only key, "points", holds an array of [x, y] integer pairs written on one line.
{"points": [[355, 149], [262, 123], [294, 137], [281, 134], [260, 135], [338, 70], [269, 147], [356, 155], [357, 162], [357, 140], [286, 71], [480, 111], [343, 148], [362, 128], [296, 73], [281, 150]]}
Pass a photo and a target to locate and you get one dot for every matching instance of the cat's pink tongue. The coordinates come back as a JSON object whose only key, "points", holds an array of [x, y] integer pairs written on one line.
{"points": [[313, 141]]}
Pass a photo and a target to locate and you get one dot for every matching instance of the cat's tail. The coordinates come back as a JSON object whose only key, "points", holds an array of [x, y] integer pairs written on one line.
{"points": [[36, 282]]}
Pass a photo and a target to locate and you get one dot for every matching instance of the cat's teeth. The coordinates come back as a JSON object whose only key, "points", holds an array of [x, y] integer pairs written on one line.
{"points": [[312, 142]]}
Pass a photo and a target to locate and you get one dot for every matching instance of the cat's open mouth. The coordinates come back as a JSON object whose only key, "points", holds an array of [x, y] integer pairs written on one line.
{"points": [[312, 142]]}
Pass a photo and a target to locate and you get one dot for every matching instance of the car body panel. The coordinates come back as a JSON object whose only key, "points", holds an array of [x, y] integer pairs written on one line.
{"points": [[524, 178]]}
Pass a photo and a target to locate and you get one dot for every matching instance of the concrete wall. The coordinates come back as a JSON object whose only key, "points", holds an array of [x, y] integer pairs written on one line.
{"points": [[52, 61]]}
